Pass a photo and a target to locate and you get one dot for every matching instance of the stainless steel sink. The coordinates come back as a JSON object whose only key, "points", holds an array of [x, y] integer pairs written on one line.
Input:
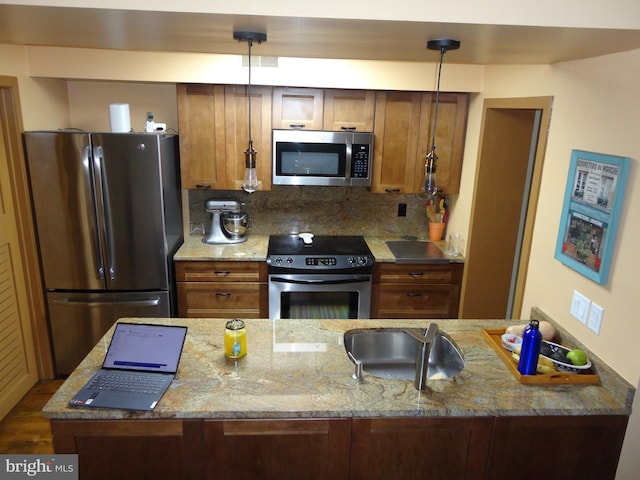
{"points": [[392, 353]]}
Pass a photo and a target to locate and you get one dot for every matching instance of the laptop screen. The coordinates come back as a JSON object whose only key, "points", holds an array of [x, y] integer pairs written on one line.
{"points": [[138, 346]]}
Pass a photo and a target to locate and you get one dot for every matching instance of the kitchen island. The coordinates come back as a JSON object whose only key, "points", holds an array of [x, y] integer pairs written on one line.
{"points": [[291, 409]]}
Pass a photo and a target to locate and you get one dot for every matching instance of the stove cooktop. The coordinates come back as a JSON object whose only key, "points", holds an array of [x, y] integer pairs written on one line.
{"points": [[321, 252]]}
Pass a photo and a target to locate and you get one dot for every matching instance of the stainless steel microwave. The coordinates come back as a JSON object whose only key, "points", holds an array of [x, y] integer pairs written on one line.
{"points": [[320, 157]]}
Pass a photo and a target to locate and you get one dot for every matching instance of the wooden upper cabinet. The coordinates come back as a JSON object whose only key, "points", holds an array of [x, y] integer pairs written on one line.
{"points": [[351, 110], [298, 108], [450, 135], [201, 126], [403, 129], [237, 134], [213, 123], [397, 123]]}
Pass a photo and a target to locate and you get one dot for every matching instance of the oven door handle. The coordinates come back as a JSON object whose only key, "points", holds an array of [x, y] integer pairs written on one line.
{"points": [[321, 282]]}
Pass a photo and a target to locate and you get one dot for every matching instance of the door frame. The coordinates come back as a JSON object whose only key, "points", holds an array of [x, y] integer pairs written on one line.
{"points": [[11, 123], [544, 106]]}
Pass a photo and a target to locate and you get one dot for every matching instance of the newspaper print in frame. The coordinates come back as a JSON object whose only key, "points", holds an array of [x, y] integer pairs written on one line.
{"points": [[591, 211]]}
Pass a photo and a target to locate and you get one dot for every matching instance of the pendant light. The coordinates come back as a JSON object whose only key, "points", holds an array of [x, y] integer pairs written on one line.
{"points": [[429, 185], [250, 181]]}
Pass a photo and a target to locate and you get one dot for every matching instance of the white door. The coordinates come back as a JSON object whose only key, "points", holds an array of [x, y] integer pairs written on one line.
{"points": [[18, 370]]}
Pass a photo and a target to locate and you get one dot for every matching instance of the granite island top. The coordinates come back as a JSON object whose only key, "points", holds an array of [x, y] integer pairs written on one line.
{"points": [[255, 249], [299, 369]]}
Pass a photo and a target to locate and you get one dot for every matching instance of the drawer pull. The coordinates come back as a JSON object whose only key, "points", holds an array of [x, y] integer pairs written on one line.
{"points": [[392, 190], [223, 294], [222, 272], [414, 294], [416, 274]]}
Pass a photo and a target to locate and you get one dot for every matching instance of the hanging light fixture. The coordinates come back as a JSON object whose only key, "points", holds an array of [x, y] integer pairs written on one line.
{"points": [[429, 185], [250, 181]]}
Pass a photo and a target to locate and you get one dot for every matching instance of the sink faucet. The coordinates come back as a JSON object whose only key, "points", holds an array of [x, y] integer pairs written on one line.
{"points": [[425, 340]]}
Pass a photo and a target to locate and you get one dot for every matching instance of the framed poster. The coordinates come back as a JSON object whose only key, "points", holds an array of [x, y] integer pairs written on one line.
{"points": [[593, 201]]}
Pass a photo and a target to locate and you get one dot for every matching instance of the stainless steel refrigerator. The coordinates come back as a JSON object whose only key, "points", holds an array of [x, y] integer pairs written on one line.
{"points": [[109, 220]]}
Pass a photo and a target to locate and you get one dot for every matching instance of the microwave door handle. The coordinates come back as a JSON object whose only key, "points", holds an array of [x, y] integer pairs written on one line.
{"points": [[321, 282]]}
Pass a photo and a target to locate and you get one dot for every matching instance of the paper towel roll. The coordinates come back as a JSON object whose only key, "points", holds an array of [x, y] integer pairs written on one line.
{"points": [[120, 117]]}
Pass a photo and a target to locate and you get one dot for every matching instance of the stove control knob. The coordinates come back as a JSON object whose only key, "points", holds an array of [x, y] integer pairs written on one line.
{"points": [[278, 260], [352, 261], [289, 260], [363, 260]]}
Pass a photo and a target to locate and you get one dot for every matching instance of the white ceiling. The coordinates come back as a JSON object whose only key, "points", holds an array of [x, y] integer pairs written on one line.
{"points": [[304, 37]]}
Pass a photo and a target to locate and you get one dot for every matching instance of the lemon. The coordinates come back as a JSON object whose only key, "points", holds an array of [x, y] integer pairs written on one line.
{"points": [[577, 357]]}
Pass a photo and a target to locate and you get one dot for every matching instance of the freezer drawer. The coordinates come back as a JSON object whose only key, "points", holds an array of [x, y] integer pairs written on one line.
{"points": [[79, 320]]}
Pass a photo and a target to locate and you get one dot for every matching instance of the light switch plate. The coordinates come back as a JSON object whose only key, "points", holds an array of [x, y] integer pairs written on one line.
{"points": [[595, 318], [580, 307]]}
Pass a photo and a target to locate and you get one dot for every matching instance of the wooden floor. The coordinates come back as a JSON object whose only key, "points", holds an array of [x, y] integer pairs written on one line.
{"points": [[25, 429]]}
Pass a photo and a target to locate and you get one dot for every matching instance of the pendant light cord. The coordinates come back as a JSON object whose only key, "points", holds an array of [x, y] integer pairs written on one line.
{"points": [[250, 42], [435, 116]]}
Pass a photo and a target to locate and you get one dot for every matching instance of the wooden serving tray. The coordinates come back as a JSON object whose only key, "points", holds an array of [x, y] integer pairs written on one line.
{"points": [[494, 337]]}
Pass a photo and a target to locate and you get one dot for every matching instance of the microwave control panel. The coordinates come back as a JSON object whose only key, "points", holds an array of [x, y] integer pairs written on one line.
{"points": [[360, 161]]}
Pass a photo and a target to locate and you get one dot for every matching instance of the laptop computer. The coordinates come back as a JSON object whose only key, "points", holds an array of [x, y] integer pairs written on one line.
{"points": [[140, 363]]}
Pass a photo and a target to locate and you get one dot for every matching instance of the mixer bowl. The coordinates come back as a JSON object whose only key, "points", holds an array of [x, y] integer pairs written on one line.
{"points": [[235, 223]]}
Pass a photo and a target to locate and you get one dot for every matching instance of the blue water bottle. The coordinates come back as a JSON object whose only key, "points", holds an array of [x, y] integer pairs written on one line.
{"points": [[530, 350]]}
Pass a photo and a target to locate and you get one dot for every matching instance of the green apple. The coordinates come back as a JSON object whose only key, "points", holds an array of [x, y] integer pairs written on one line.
{"points": [[577, 357]]}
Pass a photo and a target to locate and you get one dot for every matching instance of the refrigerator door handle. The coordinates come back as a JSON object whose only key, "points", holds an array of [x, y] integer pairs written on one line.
{"points": [[102, 196], [142, 303], [86, 158]]}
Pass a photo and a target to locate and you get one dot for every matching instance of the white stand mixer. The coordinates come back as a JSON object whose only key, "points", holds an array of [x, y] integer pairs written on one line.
{"points": [[228, 223]]}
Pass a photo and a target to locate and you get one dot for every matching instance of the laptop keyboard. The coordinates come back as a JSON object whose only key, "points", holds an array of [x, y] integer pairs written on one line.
{"points": [[135, 382]]}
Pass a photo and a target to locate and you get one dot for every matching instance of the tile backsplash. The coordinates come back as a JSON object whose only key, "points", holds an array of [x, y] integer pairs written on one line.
{"points": [[319, 210]]}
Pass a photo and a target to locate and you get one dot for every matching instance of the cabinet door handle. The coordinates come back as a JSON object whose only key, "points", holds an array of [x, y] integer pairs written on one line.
{"points": [[416, 274], [222, 272], [348, 128], [203, 186], [297, 125], [414, 294], [223, 294], [392, 190]]}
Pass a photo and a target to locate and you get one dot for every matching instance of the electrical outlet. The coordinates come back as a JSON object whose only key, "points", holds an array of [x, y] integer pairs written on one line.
{"points": [[402, 209], [580, 307], [595, 318]]}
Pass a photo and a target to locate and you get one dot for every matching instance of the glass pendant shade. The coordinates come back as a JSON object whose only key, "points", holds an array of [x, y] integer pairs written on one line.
{"points": [[429, 184], [250, 182]]}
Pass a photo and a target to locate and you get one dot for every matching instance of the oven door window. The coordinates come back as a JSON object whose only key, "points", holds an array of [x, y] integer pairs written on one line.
{"points": [[311, 159], [319, 305]]}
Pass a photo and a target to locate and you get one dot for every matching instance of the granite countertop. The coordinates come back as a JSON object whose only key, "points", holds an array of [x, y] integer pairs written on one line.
{"points": [[255, 249], [299, 369]]}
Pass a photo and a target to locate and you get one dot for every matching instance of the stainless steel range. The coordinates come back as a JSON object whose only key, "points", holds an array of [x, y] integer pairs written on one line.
{"points": [[319, 276]]}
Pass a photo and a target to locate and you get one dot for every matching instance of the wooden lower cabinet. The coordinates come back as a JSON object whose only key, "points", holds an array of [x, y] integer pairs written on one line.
{"points": [[570, 448], [448, 448], [416, 291], [420, 448], [277, 449], [212, 289], [132, 450]]}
